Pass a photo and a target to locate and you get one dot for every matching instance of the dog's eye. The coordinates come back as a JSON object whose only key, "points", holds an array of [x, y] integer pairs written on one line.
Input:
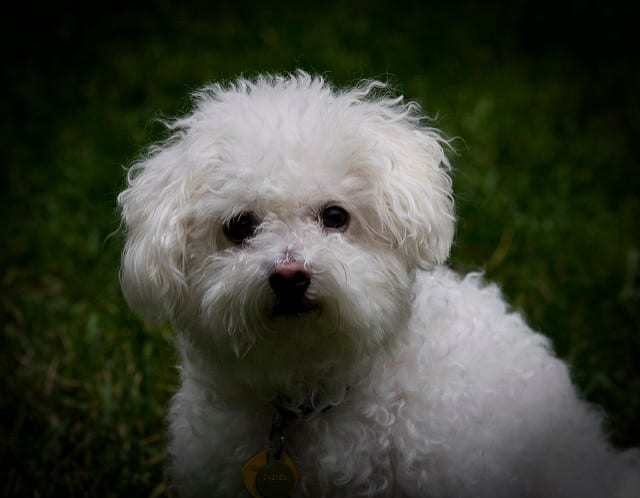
{"points": [[335, 217], [241, 227]]}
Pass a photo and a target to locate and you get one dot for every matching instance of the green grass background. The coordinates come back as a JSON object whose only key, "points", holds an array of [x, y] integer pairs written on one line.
{"points": [[543, 95]]}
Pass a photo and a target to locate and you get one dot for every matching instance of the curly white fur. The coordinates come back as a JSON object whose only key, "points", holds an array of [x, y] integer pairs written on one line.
{"points": [[436, 388]]}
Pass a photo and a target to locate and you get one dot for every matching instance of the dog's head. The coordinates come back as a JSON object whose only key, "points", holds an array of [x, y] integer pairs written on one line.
{"points": [[284, 215]]}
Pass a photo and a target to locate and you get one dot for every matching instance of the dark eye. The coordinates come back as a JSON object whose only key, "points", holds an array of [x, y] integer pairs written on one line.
{"points": [[241, 227], [335, 217]]}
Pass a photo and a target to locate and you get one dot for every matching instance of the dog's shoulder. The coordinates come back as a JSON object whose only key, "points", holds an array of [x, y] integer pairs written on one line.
{"points": [[441, 294], [469, 321]]}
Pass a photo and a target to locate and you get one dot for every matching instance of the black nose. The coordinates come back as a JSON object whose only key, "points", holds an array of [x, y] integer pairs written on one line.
{"points": [[290, 281]]}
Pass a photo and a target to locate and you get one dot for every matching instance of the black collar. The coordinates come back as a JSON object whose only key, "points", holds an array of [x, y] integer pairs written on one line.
{"points": [[310, 408]]}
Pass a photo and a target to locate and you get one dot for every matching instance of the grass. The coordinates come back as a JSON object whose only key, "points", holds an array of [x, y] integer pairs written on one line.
{"points": [[546, 177]]}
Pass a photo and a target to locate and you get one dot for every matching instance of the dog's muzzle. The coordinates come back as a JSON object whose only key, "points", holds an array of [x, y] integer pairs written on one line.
{"points": [[290, 281]]}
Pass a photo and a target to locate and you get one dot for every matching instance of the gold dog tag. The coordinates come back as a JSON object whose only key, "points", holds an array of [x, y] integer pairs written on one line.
{"points": [[264, 476]]}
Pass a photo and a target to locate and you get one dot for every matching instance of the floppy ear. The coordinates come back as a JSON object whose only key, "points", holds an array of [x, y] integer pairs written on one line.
{"points": [[418, 207], [153, 213]]}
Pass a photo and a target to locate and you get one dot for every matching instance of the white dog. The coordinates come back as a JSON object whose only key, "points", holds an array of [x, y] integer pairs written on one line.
{"points": [[293, 234]]}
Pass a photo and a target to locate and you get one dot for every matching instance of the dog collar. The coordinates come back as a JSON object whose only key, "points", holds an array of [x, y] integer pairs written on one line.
{"points": [[271, 473], [306, 410]]}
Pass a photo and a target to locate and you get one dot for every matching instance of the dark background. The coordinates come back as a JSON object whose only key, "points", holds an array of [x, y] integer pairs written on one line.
{"points": [[544, 100]]}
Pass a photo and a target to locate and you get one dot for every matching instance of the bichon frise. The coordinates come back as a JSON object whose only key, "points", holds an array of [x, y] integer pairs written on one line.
{"points": [[294, 233]]}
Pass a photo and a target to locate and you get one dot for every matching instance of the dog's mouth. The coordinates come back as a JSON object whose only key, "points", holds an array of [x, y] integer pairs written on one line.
{"points": [[293, 306]]}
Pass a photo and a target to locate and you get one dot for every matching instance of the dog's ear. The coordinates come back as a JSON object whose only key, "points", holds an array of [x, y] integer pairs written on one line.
{"points": [[154, 216], [417, 205]]}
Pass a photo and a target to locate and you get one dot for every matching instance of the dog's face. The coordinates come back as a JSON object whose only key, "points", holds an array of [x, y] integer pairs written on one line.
{"points": [[282, 223]]}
